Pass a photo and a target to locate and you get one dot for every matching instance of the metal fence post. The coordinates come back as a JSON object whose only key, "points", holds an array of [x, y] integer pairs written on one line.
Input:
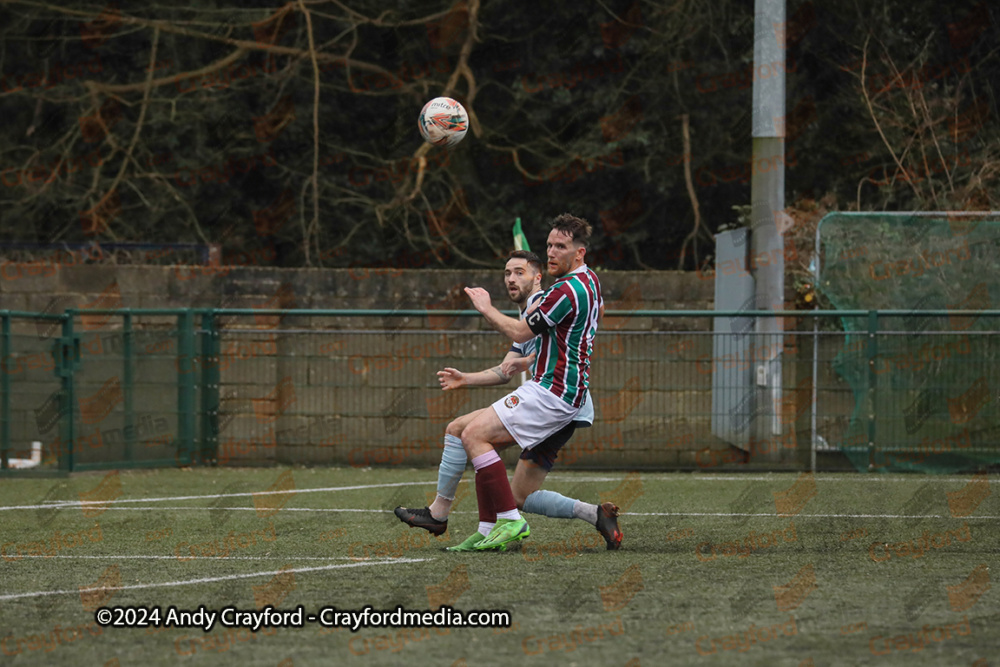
{"points": [[872, 383], [128, 372], [69, 355], [210, 377], [4, 390], [185, 387]]}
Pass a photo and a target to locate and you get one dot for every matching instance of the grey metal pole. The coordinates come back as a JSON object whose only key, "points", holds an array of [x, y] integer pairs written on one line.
{"points": [[767, 199]]}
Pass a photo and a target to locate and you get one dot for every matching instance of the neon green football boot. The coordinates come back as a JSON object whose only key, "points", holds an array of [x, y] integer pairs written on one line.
{"points": [[469, 544], [504, 533]]}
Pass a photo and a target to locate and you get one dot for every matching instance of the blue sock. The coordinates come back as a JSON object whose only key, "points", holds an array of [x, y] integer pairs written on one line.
{"points": [[453, 460], [549, 503]]}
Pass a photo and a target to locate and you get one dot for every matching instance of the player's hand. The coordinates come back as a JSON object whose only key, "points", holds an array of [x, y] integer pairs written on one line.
{"points": [[514, 366], [451, 378], [480, 298]]}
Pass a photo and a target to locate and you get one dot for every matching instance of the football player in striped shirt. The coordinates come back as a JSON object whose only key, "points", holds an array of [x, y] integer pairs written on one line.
{"points": [[566, 321], [522, 277]]}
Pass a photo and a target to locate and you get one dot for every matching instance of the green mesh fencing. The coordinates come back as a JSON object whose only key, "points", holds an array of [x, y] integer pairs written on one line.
{"points": [[923, 370]]}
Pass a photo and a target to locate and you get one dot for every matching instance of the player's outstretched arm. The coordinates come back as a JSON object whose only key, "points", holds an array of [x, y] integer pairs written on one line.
{"points": [[515, 329], [451, 378], [515, 363]]}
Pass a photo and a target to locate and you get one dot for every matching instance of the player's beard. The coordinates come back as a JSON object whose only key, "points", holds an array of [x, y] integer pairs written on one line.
{"points": [[519, 295]]}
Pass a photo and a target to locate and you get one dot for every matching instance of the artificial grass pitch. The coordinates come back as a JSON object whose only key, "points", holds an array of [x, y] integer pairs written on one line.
{"points": [[771, 569]]}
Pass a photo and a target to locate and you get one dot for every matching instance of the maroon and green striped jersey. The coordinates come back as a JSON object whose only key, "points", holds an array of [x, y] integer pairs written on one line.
{"points": [[570, 308]]}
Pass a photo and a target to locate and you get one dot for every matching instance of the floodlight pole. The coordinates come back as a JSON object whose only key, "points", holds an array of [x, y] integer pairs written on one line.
{"points": [[767, 200]]}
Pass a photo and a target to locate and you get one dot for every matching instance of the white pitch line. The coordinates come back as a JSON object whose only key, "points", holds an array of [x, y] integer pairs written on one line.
{"points": [[729, 514], [650, 478], [207, 580], [80, 503], [354, 558], [809, 516]]}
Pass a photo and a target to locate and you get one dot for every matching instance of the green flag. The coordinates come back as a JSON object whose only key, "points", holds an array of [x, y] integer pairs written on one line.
{"points": [[520, 241]]}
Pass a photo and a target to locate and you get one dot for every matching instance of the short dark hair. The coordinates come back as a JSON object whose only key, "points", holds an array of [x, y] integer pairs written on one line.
{"points": [[578, 228], [533, 259]]}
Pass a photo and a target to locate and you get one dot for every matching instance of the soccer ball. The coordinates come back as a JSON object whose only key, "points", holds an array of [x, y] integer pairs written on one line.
{"points": [[443, 122]]}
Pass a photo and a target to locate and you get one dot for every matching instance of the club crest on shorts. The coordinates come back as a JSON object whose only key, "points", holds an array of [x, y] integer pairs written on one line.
{"points": [[511, 401]]}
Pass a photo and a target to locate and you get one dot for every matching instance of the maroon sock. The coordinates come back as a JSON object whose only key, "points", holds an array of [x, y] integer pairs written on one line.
{"points": [[486, 511], [492, 479]]}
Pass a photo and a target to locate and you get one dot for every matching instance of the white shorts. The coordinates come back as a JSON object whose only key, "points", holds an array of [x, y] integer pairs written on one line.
{"points": [[532, 414]]}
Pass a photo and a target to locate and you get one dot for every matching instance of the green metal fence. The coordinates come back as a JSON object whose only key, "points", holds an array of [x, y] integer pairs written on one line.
{"points": [[879, 390]]}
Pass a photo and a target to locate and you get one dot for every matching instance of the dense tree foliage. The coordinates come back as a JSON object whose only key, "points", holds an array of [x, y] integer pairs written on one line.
{"points": [[288, 134]]}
